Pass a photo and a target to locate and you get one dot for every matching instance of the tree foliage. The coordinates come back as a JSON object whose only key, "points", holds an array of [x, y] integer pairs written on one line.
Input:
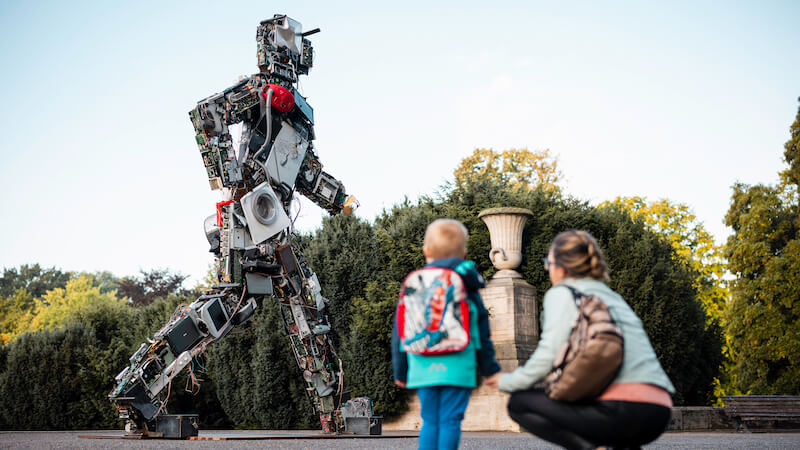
{"points": [[763, 318], [150, 285], [516, 168], [16, 313], [42, 382], [691, 241], [258, 382], [791, 154], [33, 279], [58, 306], [63, 305]]}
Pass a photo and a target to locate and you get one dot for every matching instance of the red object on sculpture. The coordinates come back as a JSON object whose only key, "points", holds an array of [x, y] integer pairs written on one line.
{"points": [[219, 210], [282, 98]]}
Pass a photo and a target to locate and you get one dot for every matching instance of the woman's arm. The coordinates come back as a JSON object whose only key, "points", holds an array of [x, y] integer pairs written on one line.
{"points": [[558, 317]]}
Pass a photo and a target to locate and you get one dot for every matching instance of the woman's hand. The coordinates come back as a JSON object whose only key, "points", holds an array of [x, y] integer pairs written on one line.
{"points": [[402, 384]]}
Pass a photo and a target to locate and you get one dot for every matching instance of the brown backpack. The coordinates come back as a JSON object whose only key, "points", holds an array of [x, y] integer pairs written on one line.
{"points": [[592, 356]]}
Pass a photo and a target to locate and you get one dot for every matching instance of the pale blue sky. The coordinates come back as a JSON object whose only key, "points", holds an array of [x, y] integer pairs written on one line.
{"points": [[99, 169]]}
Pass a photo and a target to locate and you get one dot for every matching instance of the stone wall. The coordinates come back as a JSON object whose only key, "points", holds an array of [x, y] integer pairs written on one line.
{"points": [[696, 418]]}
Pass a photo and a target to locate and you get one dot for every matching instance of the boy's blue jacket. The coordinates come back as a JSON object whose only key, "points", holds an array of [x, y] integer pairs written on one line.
{"points": [[481, 344]]}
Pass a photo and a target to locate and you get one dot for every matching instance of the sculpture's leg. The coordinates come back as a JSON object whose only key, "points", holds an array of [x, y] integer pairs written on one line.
{"points": [[143, 388], [316, 358]]}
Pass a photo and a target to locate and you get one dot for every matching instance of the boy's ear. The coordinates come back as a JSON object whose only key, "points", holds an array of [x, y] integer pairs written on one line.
{"points": [[426, 251]]}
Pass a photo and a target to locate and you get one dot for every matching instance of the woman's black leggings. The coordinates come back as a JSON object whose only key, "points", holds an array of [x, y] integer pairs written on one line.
{"points": [[588, 425]]}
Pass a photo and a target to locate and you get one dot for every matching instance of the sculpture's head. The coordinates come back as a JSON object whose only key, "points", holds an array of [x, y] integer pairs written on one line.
{"points": [[283, 51]]}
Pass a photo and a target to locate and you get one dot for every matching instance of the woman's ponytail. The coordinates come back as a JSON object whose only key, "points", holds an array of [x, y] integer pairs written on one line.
{"points": [[580, 256]]}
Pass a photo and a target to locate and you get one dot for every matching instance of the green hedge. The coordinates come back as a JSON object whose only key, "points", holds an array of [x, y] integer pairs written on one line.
{"points": [[59, 379]]}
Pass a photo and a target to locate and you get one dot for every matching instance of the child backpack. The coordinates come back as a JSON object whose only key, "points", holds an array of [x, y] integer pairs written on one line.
{"points": [[433, 312]]}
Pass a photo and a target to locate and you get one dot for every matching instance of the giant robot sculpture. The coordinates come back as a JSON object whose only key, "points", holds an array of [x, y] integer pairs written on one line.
{"points": [[251, 237]]}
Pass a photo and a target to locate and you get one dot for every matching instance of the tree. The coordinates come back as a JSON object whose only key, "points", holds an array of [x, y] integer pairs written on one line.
{"points": [[763, 318], [517, 168], [32, 278], [42, 385], [692, 243], [104, 280], [63, 305], [791, 175], [16, 312], [30, 286], [150, 285], [697, 248]]}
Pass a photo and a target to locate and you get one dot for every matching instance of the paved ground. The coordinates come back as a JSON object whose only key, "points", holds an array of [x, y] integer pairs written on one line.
{"points": [[472, 440]]}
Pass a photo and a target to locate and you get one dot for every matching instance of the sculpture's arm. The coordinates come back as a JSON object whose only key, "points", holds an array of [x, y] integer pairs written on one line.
{"points": [[322, 188], [211, 118]]}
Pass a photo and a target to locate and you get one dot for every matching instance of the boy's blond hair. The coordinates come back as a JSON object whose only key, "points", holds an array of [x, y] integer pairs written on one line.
{"points": [[446, 238]]}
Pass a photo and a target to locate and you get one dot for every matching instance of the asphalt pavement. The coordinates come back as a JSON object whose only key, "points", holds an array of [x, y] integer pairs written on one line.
{"points": [[390, 440]]}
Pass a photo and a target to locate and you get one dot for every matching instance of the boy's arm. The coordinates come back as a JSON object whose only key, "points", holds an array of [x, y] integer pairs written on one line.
{"points": [[399, 358], [487, 365]]}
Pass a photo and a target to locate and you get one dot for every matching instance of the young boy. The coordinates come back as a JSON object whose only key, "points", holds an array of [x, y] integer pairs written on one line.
{"points": [[444, 381]]}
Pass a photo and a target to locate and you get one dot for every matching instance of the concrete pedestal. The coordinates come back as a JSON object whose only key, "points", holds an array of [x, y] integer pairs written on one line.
{"points": [[513, 319], [514, 325]]}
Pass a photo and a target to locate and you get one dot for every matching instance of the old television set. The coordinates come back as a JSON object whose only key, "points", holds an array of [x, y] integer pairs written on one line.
{"points": [[215, 317]]}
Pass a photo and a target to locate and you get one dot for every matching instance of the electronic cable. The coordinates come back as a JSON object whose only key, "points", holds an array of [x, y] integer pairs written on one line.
{"points": [[243, 142], [267, 115], [299, 208], [341, 383]]}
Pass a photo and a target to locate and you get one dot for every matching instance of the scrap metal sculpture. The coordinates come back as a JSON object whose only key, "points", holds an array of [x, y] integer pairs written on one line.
{"points": [[251, 236]]}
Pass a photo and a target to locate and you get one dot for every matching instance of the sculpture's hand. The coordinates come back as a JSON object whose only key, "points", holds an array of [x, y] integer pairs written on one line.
{"points": [[350, 205]]}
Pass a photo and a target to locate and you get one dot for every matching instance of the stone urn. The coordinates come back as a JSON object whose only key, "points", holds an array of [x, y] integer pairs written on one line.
{"points": [[505, 231]]}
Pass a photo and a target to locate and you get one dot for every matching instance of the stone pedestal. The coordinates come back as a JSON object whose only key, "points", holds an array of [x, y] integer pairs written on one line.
{"points": [[515, 331], [513, 320]]}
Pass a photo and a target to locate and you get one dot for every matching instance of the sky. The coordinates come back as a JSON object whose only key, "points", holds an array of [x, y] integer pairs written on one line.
{"points": [[99, 169]]}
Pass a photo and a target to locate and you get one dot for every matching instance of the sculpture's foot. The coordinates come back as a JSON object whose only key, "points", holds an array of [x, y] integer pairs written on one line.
{"points": [[169, 426]]}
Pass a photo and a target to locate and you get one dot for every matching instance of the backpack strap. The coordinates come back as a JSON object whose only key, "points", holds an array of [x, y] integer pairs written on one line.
{"points": [[576, 295], [465, 267]]}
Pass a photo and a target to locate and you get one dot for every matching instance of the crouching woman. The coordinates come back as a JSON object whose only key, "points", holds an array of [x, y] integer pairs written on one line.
{"points": [[635, 408]]}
